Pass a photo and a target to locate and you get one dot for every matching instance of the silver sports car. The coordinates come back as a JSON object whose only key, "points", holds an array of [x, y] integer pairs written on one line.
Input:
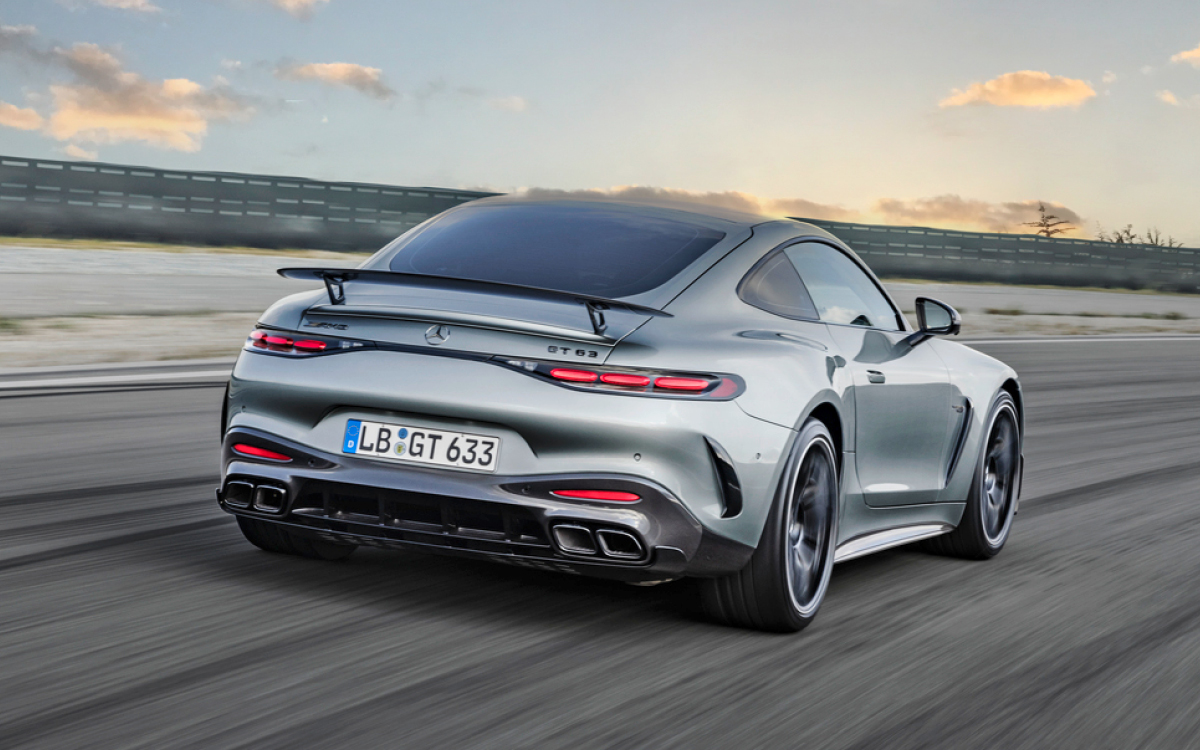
{"points": [[621, 390]]}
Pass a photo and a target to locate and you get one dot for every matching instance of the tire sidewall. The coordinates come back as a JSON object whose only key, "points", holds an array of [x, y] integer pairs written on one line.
{"points": [[977, 498], [775, 547]]}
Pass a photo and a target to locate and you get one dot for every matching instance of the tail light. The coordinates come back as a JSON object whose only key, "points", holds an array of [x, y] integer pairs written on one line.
{"points": [[292, 344], [255, 452], [607, 495], [632, 382]]}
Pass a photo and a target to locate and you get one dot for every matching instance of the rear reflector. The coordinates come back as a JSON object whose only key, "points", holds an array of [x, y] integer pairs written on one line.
{"points": [[250, 450], [574, 376], [624, 378], [609, 495], [681, 384]]}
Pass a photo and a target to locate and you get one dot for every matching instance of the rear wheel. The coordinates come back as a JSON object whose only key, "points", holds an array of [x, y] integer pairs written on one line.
{"points": [[992, 501], [275, 538], [783, 586]]}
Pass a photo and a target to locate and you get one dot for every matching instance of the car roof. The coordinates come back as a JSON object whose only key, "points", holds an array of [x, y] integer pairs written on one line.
{"points": [[698, 213]]}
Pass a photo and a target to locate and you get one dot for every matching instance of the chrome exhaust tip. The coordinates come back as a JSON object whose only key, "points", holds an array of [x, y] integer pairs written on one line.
{"points": [[238, 494], [574, 540], [620, 544]]}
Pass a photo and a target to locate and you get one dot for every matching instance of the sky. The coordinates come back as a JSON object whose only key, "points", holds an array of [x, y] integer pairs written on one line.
{"points": [[927, 112]]}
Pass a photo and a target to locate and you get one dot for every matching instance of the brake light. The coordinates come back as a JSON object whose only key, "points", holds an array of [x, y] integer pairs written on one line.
{"points": [[256, 452], [272, 342], [574, 376], [625, 378], [681, 384], [630, 382], [608, 495]]}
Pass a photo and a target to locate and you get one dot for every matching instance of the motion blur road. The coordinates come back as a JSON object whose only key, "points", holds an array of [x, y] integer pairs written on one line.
{"points": [[133, 614]]}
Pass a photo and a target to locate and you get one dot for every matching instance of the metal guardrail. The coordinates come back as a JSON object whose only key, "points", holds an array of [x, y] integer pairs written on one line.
{"points": [[45, 197], [86, 199], [928, 253]]}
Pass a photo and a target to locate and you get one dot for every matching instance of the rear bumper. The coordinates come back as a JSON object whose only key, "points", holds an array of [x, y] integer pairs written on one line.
{"points": [[510, 519]]}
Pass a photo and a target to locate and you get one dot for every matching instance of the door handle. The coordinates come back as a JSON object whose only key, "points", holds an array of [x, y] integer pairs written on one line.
{"points": [[875, 376]]}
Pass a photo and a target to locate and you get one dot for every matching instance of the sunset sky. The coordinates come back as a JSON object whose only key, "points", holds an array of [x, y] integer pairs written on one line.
{"points": [[899, 111]]}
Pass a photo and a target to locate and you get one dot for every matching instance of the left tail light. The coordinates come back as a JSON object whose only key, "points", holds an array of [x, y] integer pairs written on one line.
{"points": [[294, 344]]}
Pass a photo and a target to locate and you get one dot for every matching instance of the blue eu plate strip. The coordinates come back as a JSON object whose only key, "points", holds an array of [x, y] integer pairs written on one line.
{"points": [[353, 430]]}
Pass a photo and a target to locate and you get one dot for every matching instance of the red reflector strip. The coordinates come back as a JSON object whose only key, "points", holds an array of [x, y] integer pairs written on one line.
{"points": [[310, 346], [681, 384], [575, 376], [612, 496], [250, 450], [624, 378], [277, 340]]}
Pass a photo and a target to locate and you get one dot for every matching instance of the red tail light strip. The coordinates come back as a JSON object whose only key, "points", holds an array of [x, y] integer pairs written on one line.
{"points": [[632, 383], [608, 495], [256, 452]]}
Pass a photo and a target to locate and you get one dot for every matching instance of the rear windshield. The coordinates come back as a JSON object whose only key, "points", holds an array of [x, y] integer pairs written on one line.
{"points": [[606, 251]]}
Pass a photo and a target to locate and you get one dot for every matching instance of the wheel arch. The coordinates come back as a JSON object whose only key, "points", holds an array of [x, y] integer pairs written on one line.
{"points": [[1013, 388], [827, 413]]}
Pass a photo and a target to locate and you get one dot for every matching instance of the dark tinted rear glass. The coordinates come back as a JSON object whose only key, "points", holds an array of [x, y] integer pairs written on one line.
{"points": [[776, 287], [601, 250]]}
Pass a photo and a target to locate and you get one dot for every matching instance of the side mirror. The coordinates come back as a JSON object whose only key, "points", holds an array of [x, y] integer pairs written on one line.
{"points": [[935, 318]]}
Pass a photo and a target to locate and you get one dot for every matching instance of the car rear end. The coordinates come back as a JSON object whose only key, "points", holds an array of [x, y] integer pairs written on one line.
{"points": [[497, 425]]}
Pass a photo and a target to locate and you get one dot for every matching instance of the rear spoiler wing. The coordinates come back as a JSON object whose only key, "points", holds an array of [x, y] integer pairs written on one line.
{"points": [[336, 278]]}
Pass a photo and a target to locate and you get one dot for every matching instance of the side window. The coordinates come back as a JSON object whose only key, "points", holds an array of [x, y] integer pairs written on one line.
{"points": [[840, 290], [776, 287]]}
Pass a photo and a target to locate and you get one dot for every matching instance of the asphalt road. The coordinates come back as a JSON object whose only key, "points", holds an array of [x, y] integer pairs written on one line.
{"points": [[132, 614]]}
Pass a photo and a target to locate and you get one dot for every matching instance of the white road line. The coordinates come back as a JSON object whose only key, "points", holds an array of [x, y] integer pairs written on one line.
{"points": [[1082, 339], [111, 379]]}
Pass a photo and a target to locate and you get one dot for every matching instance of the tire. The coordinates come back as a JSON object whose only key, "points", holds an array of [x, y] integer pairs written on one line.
{"points": [[783, 585], [992, 500], [272, 537]]}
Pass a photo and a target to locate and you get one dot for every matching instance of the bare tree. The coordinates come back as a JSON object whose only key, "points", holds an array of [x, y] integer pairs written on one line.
{"points": [[1155, 237], [1124, 236], [1048, 224]]}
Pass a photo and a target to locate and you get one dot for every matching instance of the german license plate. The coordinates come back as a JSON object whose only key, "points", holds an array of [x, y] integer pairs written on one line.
{"points": [[456, 450]]}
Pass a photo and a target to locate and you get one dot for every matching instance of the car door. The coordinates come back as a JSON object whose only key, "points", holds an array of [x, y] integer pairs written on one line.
{"points": [[902, 393]]}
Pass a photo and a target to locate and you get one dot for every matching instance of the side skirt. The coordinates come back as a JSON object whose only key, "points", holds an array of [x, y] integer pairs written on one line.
{"points": [[881, 540]]}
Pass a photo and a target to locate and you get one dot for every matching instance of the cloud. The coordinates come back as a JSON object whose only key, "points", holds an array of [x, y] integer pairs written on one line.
{"points": [[1109, 77], [141, 6], [1166, 97], [105, 103], [952, 211], [732, 200], [1191, 56], [365, 80], [298, 8], [1024, 88], [508, 103], [12, 116], [78, 152]]}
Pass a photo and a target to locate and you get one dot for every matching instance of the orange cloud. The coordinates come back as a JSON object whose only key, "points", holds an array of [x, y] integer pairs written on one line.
{"points": [[12, 116], [365, 80], [1167, 97], [78, 152], [107, 104], [1024, 88], [955, 212], [1191, 56]]}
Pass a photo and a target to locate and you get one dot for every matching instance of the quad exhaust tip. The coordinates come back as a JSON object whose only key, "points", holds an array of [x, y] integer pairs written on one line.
{"points": [[613, 543], [262, 497]]}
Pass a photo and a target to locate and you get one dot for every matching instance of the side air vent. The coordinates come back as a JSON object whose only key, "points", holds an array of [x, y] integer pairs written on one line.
{"points": [[727, 479]]}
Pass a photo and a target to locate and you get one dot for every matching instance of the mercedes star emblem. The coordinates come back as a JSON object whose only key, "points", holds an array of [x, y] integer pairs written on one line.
{"points": [[437, 335]]}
